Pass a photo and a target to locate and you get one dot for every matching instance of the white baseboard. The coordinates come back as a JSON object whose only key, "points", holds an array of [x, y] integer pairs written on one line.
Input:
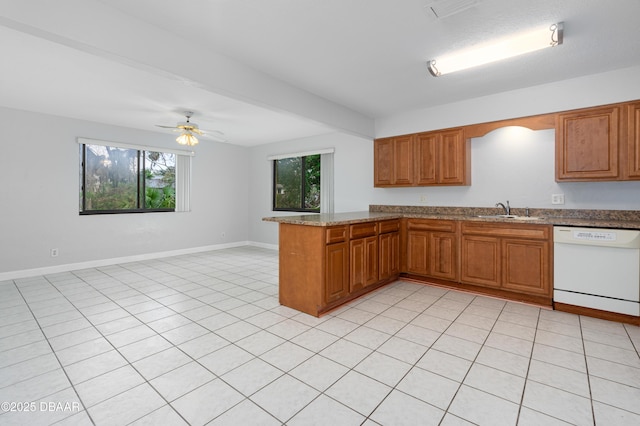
{"points": [[263, 245], [25, 273]]}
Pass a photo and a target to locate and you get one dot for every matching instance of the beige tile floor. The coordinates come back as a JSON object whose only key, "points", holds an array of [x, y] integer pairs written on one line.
{"points": [[201, 339]]}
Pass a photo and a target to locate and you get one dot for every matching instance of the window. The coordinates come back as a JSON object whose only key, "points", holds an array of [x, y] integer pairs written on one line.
{"points": [[303, 181], [119, 179], [296, 183]]}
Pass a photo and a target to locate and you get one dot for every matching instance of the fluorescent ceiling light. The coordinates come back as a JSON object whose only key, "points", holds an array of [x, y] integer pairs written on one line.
{"points": [[502, 49]]}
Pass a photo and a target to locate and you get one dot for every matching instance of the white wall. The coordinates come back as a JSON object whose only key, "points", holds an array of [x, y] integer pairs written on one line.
{"points": [[39, 167], [353, 172]]}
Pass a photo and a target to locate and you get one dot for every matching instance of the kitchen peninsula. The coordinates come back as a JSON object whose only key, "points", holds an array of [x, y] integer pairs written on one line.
{"points": [[329, 259]]}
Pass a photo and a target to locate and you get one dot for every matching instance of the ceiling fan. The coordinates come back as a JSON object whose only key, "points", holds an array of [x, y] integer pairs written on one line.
{"points": [[187, 130]]}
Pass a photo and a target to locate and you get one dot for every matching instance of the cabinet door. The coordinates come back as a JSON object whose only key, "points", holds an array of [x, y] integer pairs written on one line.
{"points": [[403, 161], [364, 263], [526, 266], [480, 260], [357, 267], [371, 265], [587, 145], [337, 271], [383, 162], [633, 140], [426, 158], [443, 256], [418, 252], [395, 254], [452, 158], [389, 259]]}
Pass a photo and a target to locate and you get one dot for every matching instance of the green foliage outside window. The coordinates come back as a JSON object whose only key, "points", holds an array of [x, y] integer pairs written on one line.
{"points": [[297, 184], [116, 180]]}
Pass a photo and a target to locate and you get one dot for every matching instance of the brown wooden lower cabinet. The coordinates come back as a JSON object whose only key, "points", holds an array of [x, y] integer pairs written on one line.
{"points": [[443, 255], [364, 263], [481, 261], [322, 267], [337, 278], [508, 258], [418, 252], [511, 260], [526, 266], [389, 255], [432, 248]]}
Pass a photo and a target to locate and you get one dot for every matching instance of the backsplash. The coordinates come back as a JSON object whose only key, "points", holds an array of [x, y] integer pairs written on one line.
{"points": [[612, 215]]}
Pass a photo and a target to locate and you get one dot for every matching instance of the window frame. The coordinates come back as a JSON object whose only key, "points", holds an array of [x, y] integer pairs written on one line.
{"points": [[302, 186], [140, 180]]}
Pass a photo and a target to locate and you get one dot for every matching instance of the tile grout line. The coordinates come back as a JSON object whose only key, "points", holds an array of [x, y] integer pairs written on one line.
{"points": [[54, 352], [586, 366]]}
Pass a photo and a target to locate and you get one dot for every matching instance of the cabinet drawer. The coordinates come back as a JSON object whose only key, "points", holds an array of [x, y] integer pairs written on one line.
{"points": [[431, 225], [542, 232], [336, 234], [387, 226], [360, 230]]}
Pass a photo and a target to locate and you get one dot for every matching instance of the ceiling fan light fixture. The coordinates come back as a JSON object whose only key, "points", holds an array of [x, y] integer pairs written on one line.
{"points": [[508, 47], [187, 138]]}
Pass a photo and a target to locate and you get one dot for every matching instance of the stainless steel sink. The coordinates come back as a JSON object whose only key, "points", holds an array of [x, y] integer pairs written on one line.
{"points": [[508, 216]]}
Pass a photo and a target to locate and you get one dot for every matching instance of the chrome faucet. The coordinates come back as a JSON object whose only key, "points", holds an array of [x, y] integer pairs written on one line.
{"points": [[507, 208]]}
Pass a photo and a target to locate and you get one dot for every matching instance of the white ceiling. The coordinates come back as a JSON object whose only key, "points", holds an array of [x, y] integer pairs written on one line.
{"points": [[268, 70]]}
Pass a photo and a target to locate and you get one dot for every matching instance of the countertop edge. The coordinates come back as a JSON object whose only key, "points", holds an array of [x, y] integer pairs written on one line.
{"points": [[337, 219], [334, 219]]}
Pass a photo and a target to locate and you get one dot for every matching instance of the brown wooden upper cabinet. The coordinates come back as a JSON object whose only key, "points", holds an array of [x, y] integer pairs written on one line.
{"points": [[393, 161], [587, 144], [599, 144], [422, 159], [633, 139]]}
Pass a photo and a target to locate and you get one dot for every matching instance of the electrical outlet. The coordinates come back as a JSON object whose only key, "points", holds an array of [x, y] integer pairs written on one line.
{"points": [[557, 199], [54, 252], [422, 199]]}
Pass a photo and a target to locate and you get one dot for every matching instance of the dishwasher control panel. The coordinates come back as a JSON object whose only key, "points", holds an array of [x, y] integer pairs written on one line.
{"points": [[621, 238], [594, 235]]}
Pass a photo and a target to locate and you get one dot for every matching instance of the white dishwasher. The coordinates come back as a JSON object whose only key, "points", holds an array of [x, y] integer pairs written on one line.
{"points": [[597, 268]]}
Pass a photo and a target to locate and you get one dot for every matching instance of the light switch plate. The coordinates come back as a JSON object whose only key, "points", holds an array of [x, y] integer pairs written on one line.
{"points": [[557, 198]]}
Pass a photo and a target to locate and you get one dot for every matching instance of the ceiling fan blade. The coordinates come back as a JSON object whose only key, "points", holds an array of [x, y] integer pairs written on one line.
{"points": [[190, 127]]}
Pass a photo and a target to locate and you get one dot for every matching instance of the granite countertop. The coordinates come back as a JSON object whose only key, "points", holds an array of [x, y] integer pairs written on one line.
{"points": [[331, 219], [622, 219]]}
